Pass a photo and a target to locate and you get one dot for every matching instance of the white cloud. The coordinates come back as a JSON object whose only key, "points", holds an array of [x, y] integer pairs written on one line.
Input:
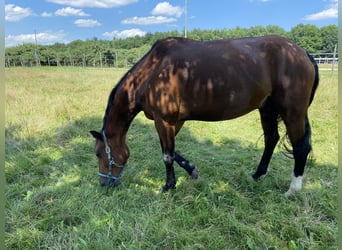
{"points": [[161, 14], [166, 9], [150, 20], [46, 14], [87, 23], [69, 11], [124, 34], [330, 12], [44, 38], [15, 13], [94, 3]]}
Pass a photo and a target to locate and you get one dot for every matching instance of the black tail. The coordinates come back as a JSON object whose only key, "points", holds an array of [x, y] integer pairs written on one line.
{"points": [[316, 77]]}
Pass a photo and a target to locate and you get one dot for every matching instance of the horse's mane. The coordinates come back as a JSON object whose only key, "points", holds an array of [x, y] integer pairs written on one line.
{"points": [[110, 103], [115, 89]]}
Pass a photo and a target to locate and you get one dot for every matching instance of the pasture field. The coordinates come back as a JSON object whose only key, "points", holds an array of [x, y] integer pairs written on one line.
{"points": [[54, 201]]}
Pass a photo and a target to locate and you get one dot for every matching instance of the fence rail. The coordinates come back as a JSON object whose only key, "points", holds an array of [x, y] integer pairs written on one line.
{"points": [[103, 61], [325, 60]]}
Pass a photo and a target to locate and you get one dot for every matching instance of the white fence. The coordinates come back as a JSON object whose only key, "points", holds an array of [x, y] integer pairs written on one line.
{"points": [[326, 60]]}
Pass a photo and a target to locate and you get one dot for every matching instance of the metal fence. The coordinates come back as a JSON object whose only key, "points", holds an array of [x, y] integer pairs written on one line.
{"points": [[321, 59]]}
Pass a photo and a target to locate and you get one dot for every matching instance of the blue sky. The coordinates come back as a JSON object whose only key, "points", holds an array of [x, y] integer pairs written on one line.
{"points": [[67, 20]]}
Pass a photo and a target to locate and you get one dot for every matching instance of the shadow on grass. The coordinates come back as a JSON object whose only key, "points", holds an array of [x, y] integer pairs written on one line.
{"points": [[67, 156], [229, 161], [52, 178]]}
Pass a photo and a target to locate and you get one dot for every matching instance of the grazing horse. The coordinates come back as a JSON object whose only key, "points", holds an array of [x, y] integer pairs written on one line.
{"points": [[182, 79]]}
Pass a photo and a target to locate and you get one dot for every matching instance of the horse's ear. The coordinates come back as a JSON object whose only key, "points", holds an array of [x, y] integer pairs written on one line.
{"points": [[96, 135]]}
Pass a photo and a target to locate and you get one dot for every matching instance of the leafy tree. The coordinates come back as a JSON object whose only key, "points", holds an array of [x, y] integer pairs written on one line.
{"points": [[237, 32], [125, 52], [329, 36], [256, 31], [275, 30], [307, 36]]}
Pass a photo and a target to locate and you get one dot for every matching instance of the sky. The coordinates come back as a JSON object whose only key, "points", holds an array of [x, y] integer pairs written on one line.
{"points": [[63, 21]]}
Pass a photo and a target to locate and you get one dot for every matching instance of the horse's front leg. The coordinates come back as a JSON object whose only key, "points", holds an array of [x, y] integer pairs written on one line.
{"points": [[167, 133], [168, 159]]}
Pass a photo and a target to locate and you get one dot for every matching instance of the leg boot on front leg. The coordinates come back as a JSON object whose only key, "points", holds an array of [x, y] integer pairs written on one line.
{"points": [[170, 174], [167, 134], [184, 163]]}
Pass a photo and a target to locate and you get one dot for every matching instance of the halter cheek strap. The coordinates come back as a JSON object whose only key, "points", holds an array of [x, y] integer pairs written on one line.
{"points": [[111, 163]]}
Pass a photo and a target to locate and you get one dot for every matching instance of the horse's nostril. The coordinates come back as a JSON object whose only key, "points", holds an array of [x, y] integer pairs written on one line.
{"points": [[109, 182], [115, 183], [104, 182]]}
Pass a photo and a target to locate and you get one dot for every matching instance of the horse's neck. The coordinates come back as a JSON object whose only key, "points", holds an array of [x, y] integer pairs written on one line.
{"points": [[123, 110], [129, 96], [120, 115], [116, 131]]}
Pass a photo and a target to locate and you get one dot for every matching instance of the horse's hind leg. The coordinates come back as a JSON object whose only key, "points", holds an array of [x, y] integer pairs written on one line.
{"points": [[269, 121], [301, 148], [184, 163]]}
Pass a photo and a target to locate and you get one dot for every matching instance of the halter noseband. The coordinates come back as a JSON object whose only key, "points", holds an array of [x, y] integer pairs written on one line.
{"points": [[112, 163]]}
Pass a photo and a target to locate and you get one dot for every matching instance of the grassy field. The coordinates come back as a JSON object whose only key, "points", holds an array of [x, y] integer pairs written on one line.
{"points": [[54, 200]]}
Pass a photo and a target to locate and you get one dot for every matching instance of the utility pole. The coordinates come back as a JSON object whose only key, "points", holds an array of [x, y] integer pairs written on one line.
{"points": [[35, 50], [334, 59], [185, 18]]}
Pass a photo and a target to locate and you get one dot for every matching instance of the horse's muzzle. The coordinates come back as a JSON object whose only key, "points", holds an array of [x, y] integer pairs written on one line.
{"points": [[107, 182]]}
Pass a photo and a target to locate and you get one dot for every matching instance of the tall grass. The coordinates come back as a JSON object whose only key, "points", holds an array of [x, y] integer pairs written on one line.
{"points": [[54, 200]]}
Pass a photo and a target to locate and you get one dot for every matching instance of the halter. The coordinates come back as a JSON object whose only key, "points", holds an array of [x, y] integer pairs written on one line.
{"points": [[112, 163]]}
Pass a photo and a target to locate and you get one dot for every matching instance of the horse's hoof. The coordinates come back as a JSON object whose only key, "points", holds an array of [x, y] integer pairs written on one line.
{"points": [[251, 179], [194, 174], [255, 177], [167, 187]]}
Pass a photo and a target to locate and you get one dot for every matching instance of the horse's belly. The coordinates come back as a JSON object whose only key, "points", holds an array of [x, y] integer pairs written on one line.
{"points": [[215, 112], [223, 99]]}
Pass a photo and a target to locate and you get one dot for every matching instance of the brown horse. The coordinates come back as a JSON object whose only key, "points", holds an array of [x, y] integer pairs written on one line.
{"points": [[181, 79]]}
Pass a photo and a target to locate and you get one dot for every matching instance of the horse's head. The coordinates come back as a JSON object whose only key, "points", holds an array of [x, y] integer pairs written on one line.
{"points": [[110, 171]]}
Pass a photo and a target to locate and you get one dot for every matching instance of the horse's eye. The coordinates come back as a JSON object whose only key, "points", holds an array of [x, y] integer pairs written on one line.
{"points": [[98, 155]]}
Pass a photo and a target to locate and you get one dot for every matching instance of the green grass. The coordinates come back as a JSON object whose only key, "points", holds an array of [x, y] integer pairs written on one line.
{"points": [[54, 200], [328, 66]]}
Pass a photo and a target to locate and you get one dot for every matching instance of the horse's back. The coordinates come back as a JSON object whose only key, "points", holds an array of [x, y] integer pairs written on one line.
{"points": [[224, 79]]}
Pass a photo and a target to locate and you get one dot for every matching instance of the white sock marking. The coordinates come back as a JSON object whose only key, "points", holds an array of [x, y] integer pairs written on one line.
{"points": [[296, 185], [167, 158]]}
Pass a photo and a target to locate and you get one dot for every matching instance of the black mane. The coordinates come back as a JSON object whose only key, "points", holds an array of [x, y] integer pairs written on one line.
{"points": [[109, 105], [115, 89]]}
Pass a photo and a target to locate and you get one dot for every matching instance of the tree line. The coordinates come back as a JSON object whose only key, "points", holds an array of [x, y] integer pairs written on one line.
{"points": [[125, 52]]}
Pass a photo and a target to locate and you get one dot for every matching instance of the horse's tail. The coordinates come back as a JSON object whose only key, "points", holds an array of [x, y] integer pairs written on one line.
{"points": [[316, 81]]}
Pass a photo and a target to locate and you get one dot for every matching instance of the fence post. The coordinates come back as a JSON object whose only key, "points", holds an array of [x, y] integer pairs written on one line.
{"points": [[334, 59]]}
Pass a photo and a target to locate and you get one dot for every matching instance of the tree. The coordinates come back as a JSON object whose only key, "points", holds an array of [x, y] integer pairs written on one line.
{"points": [[109, 57], [237, 32], [125, 52], [256, 31], [329, 36], [275, 30], [307, 36]]}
